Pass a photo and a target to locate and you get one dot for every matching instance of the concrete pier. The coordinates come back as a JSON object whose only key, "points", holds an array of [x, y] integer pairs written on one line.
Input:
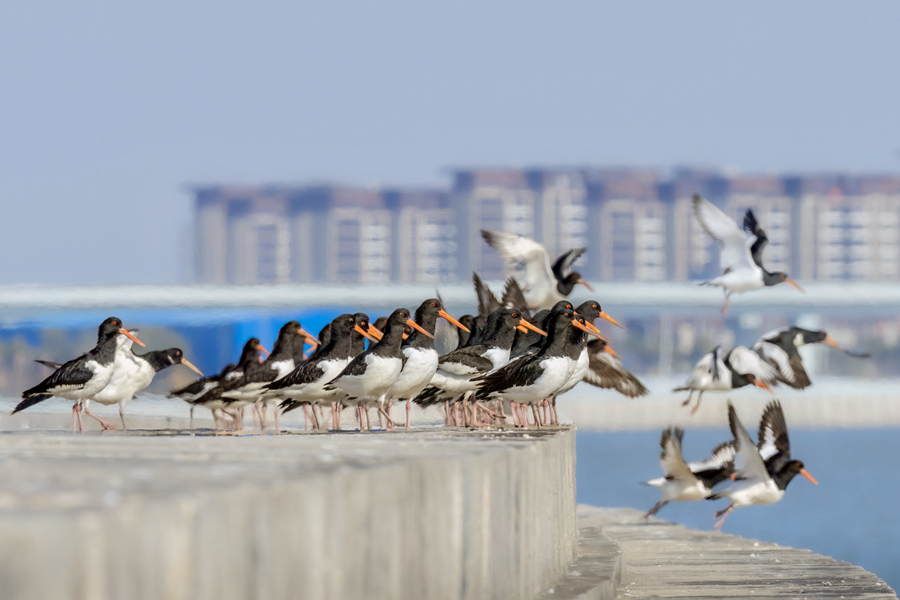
{"points": [[431, 514], [436, 513]]}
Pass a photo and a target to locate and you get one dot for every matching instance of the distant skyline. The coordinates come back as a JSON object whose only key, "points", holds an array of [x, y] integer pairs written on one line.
{"points": [[110, 111]]}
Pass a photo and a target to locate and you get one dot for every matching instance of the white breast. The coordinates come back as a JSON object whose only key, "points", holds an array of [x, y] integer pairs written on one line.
{"points": [[420, 367], [497, 356], [381, 373]]}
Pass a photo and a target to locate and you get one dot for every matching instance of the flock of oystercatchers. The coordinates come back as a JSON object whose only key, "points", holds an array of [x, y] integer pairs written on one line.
{"points": [[519, 352]]}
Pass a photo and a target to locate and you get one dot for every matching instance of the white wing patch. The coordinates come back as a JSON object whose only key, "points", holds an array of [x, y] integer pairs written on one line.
{"points": [[733, 241]]}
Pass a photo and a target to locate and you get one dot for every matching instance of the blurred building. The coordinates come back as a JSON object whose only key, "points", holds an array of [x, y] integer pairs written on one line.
{"points": [[637, 225]]}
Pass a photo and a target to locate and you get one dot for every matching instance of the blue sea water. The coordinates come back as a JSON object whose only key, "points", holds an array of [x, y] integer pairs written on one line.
{"points": [[851, 515]]}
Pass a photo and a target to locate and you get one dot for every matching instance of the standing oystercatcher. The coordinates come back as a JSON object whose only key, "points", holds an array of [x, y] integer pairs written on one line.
{"points": [[369, 377], [718, 372], [194, 391], [761, 473], [81, 378], [456, 373], [533, 378], [248, 389], [542, 284], [306, 383], [683, 481], [420, 356], [779, 349], [133, 375], [740, 251], [212, 399]]}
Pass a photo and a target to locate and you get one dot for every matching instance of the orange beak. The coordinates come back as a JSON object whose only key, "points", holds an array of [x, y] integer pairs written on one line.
{"points": [[261, 349], [186, 363], [527, 325], [603, 315], [365, 333], [593, 330], [131, 337], [732, 477], [585, 284], [609, 349], [418, 328], [373, 331], [808, 476], [521, 329], [310, 338], [578, 325], [794, 283], [763, 386], [830, 341], [444, 314]]}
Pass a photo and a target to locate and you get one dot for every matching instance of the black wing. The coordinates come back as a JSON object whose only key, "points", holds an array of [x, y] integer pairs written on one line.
{"points": [[487, 301], [718, 467], [774, 445], [48, 363], [752, 226], [307, 372], [607, 372], [522, 372], [357, 366], [564, 263], [72, 375], [514, 298]]}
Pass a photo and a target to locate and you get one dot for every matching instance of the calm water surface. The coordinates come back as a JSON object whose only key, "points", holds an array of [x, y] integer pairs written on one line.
{"points": [[851, 515]]}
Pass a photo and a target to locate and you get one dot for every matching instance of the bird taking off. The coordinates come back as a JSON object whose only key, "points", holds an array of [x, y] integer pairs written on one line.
{"points": [[740, 251], [543, 285]]}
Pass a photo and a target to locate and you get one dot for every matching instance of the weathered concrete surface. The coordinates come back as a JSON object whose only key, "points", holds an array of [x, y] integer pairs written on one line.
{"points": [[431, 514], [664, 560]]}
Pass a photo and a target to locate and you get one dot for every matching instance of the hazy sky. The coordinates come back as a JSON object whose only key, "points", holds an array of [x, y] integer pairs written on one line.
{"points": [[110, 108]]}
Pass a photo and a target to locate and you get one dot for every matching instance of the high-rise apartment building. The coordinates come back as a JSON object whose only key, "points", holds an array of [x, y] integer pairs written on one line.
{"points": [[637, 224]]}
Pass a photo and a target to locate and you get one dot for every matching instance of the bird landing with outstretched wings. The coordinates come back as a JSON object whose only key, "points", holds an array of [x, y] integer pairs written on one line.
{"points": [[543, 284]]}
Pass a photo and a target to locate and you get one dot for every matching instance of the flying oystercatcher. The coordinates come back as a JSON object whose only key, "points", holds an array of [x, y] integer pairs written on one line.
{"points": [[719, 372]]}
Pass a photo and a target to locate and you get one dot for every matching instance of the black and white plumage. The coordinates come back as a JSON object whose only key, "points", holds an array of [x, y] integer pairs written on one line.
{"points": [[689, 481], [740, 251], [457, 370], [606, 371], [212, 398], [306, 383], [762, 471], [534, 378], [420, 358], [369, 377], [719, 372], [542, 284], [249, 388], [194, 391], [133, 373], [79, 379], [779, 348]]}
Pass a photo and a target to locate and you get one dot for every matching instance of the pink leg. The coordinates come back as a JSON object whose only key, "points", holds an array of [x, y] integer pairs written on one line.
{"points": [[408, 408], [277, 424], [724, 514], [80, 422], [306, 417], [544, 404], [74, 421], [107, 426]]}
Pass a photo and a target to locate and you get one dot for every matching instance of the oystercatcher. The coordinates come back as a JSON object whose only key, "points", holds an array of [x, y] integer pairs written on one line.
{"points": [[81, 378], [683, 481], [463, 333], [420, 357], [212, 399], [740, 251], [194, 391], [456, 370], [248, 389], [542, 284], [779, 349], [305, 384], [532, 379], [133, 374], [761, 474], [716, 372], [369, 376]]}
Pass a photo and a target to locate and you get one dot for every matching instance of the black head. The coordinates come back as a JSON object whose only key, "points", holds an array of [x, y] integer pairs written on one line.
{"points": [[251, 351], [568, 283], [790, 470], [380, 323], [428, 311], [340, 327], [590, 310], [398, 318], [362, 319], [777, 277], [109, 327], [807, 336]]}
